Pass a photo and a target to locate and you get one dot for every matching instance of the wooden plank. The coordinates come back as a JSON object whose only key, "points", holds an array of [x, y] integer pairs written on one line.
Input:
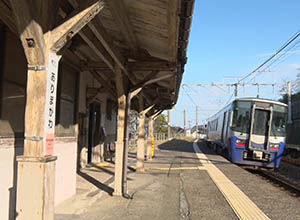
{"points": [[107, 43], [159, 79], [151, 65], [135, 92], [149, 76], [139, 66], [173, 21], [103, 83], [148, 109], [118, 10], [91, 40], [98, 29], [47, 20], [72, 60], [73, 24], [7, 17]]}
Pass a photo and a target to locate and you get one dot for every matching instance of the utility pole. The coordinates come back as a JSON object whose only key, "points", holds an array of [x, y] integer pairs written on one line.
{"points": [[235, 90], [169, 127], [289, 103], [196, 122], [184, 125]]}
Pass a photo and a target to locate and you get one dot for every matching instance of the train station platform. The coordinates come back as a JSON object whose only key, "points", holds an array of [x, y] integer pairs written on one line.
{"points": [[185, 180]]}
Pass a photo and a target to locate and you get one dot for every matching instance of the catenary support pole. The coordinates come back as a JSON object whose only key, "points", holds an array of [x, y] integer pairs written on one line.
{"points": [[184, 123], [169, 126], [289, 103], [196, 122]]}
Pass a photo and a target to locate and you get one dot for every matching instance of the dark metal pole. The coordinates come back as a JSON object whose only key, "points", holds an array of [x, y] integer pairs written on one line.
{"points": [[126, 144]]}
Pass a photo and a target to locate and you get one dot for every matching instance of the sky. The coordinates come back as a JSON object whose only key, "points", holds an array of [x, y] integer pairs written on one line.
{"points": [[230, 39]]}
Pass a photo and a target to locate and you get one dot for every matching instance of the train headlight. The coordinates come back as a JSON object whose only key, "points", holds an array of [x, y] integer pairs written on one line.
{"points": [[240, 143], [274, 146]]}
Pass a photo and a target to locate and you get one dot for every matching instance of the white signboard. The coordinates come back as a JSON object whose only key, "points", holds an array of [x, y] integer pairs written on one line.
{"points": [[50, 104]]}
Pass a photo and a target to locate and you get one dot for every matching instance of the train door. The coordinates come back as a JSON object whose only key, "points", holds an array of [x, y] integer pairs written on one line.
{"points": [[260, 130], [94, 128], [223, 133]]}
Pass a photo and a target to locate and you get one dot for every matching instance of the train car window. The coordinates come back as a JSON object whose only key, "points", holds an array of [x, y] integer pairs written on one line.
{"points": [[241, 117], [261, 120], [279, 121], [230, 118]]}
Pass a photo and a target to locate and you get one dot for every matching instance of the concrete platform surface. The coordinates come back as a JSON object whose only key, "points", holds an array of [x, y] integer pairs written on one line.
{"points": [[175, 185]]}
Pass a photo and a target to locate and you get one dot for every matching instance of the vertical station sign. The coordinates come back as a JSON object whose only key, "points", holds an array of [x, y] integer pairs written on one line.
{"points": [[50, 105]]}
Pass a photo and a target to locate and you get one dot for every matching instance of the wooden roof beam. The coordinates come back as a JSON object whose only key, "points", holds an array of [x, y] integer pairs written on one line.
{"points": [[159, 79], [73, 23], [118, 10], [152, 65], [90, 39], [107, 45], [7, 17], [98, 30], [103, 83], [138, 66]]}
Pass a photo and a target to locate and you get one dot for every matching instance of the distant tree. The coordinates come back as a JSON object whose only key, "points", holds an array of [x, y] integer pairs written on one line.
{"points": [[295, 90], [284, 99], [133, 124], [161, 124]]}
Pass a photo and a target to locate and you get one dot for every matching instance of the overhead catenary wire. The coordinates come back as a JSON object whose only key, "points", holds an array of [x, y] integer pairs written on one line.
{"points": [[189, 96], [294, 37], [285, 54]]}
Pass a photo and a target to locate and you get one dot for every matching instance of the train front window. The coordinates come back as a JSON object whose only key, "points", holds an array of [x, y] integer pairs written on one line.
{"points": [[279, 121], [261, 120], [241, 117]]}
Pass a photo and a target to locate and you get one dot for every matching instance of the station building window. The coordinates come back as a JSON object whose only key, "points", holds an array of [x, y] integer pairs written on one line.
{"points": [[66, 103]]}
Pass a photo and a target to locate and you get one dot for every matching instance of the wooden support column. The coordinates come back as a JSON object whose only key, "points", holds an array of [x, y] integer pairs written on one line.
{"points": [[149, 141], [141, 137], [129, 96], [42, 42], [119, 158]]}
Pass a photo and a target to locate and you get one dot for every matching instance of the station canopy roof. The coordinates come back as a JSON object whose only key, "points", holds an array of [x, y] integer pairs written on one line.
{"points": [[148, 39]]}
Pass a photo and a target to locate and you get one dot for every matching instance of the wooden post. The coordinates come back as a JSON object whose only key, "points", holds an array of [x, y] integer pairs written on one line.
{"points": [[42, 41], [141, 137], [119, 159], [150, 137]]}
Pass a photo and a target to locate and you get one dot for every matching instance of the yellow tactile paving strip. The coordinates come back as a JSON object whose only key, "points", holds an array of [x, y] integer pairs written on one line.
{"points": [[243, 207]]}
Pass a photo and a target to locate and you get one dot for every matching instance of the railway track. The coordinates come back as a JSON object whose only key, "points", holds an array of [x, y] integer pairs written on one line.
{"points": [[291, 161], [278, 179]]}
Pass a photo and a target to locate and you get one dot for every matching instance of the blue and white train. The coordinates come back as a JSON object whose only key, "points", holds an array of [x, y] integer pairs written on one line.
{"points": [[250, 131]]}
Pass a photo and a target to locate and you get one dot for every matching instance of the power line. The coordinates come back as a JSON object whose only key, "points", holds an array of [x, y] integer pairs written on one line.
{"points": [[189, 96], [294, 37], [285, 53]]}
